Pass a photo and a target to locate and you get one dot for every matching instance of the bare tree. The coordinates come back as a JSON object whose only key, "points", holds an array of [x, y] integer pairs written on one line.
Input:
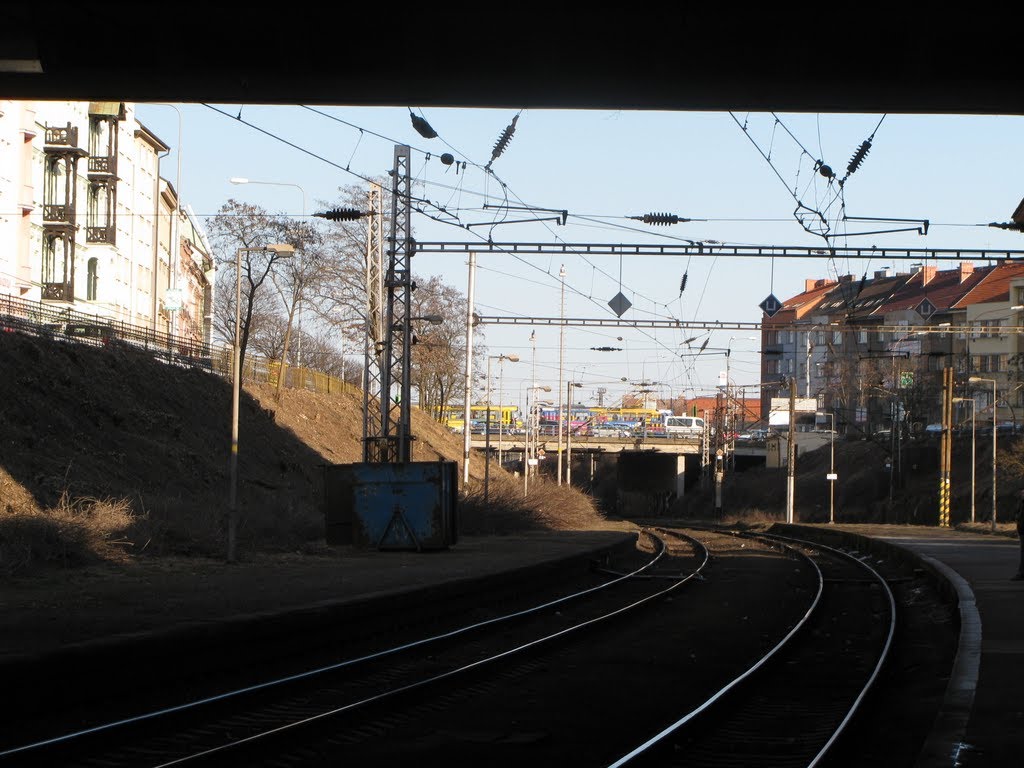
{"points": [[297, 279], [249, 229]]}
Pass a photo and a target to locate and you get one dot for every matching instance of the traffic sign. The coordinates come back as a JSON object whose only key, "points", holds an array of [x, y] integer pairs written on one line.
{"points": [[619, 304], [771, 305], [926, 309]]}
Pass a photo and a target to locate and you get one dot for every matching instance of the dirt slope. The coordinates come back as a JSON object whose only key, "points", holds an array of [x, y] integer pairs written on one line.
{"points": [[107, 446]]}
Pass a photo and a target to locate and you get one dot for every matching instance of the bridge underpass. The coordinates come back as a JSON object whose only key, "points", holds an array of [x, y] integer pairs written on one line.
{"points": [[649, 473]]}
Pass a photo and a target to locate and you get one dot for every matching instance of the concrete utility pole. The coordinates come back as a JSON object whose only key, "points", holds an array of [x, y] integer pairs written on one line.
{"points": [[791, 454], [466, 430], [561, 354]]}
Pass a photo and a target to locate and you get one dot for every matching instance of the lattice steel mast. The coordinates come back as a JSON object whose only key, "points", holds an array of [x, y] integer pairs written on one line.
{"points": [[392, 441]]}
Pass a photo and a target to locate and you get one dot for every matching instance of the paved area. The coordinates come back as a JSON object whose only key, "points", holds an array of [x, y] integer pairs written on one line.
{"points": [[73, 610]]}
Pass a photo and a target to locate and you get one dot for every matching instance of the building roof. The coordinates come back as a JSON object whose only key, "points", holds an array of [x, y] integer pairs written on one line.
{"points": [[800, 305], [942, 288], [995, 287]]}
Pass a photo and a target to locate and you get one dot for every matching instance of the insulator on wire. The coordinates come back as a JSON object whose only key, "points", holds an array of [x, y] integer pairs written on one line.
{"points": [[858, 157], [447, 158], [502, 143], [826, 171], [422, 126], [659, 219], [682, 283], [607, 349], [341, 214]]}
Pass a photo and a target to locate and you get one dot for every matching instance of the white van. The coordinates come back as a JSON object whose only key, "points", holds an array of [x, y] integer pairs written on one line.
{"points": [[684, 426]]}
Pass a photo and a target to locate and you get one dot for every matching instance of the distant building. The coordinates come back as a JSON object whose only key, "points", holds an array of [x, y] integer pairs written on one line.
{"points": [[823, 342], [87, 223]]}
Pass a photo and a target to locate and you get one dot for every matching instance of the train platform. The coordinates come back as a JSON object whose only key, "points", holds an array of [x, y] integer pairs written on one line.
{"points": [[981, 724], [67, 616]]}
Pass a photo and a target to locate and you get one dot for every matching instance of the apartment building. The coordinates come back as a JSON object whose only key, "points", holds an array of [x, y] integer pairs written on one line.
{"points": [[87, 223], [872, 349]]}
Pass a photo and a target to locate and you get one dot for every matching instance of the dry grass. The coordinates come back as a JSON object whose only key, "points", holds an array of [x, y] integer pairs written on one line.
{"points": [[546, 506], [74, 532]]}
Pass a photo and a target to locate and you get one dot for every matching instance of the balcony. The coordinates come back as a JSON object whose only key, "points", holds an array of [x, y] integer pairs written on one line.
{"points": [[57, 292], [103, 166], [62, 137], [58, 214], [105, 235]]}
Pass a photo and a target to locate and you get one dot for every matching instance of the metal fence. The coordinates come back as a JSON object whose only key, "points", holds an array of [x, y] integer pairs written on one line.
{"points": [[64, 324]]}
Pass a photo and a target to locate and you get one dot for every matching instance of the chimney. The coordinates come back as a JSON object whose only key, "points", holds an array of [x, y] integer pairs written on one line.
{"points": [[846, 278], [966, 270], [927, 273], [810, 284], [884, 272]]}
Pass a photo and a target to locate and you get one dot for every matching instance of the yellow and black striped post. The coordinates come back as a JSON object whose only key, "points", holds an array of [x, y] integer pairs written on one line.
{"points": [[947, 444]]}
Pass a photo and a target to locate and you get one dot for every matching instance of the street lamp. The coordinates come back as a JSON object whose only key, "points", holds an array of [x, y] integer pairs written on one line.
{"points": [[973, 446], [281, 249], [487, 427], [832, 467], [978, 380]]}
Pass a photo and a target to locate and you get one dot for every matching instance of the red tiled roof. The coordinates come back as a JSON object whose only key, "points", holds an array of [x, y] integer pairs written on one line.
{"points": [[995, 286], [944, 290]]}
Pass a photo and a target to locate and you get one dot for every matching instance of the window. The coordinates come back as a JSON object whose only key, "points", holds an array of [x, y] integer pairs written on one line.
{"points": [[771, 367], [100, 227], [862, 337], [56, 190], [989, 329], [57, 270], [989, 363], [837, 338], [92, 279]]}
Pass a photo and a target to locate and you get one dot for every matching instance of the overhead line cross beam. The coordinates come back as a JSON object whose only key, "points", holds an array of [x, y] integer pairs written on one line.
{"points": [[724, 325], [705, 249]]}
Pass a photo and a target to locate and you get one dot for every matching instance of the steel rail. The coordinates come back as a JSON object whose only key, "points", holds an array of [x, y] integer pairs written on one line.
{"points": [[791, 544], [457, 671], [186, 706], [708, 703], [885, 650]]}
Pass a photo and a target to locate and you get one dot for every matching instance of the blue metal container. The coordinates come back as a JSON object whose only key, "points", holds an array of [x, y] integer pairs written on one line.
{"points": [[409, 506]]}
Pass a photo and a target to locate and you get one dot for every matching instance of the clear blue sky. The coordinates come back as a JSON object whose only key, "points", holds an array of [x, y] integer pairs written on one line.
{"points": [[956, 171]]}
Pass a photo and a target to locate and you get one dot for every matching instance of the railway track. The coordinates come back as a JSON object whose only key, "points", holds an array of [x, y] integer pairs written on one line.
{"points": [[794, 703], [226, 725], [739, 670]]}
